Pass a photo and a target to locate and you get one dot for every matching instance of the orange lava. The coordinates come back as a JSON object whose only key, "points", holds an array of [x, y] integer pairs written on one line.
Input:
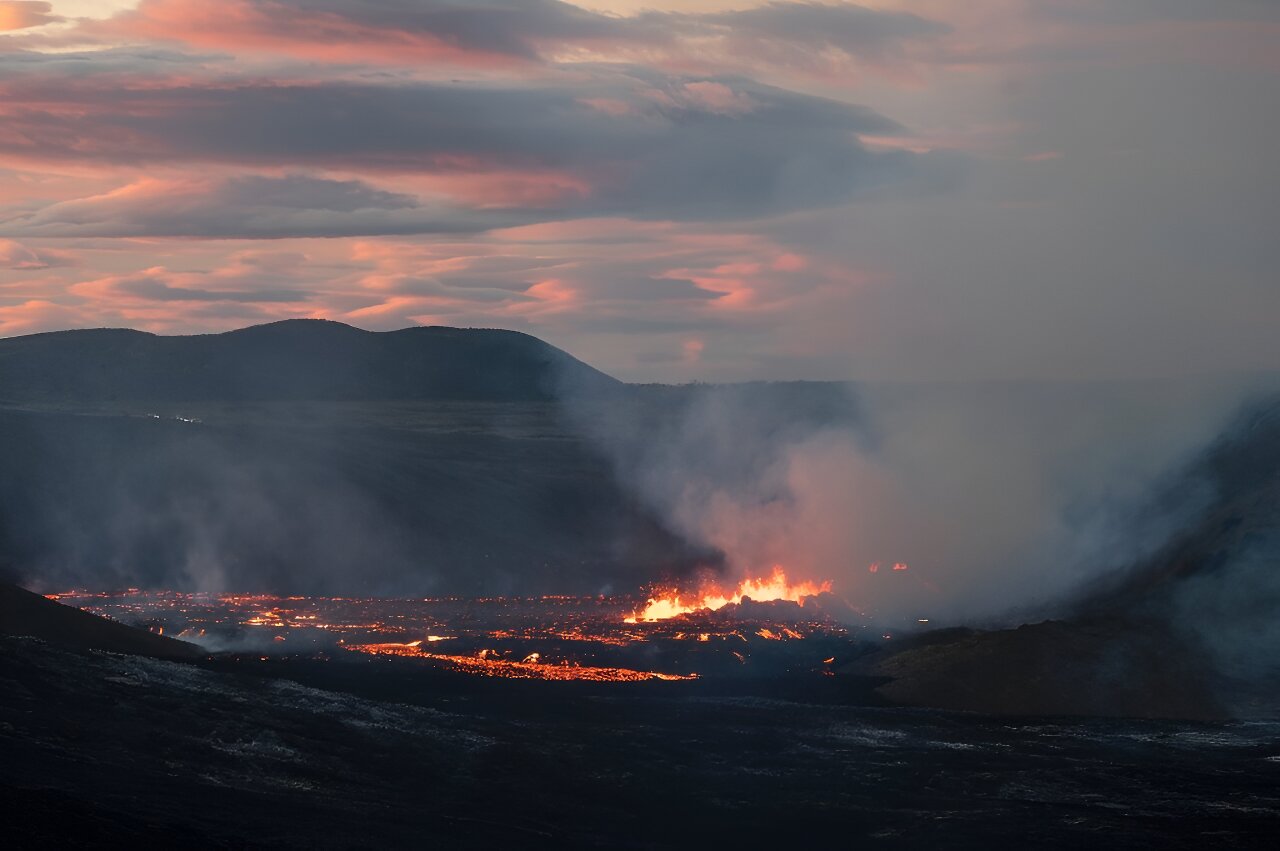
{"points": [[775, 587], [487, 664]]}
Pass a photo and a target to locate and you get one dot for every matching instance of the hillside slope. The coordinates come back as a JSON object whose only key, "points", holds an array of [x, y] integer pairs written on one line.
{"points": [[25, 613], [1189, 632]]}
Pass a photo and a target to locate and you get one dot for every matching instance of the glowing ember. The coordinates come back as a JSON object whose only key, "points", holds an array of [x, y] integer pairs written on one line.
{"points": [[775, 587]]}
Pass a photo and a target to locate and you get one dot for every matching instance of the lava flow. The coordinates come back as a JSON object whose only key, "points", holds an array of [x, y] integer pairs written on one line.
{"points": [[775, 587], [552, 637], [488, 663]]}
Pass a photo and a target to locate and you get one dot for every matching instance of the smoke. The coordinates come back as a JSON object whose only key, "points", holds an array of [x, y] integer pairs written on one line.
{"points": [[369, 498], [1232, 611], [119, 501], [1217, 582], [1001, 499]]}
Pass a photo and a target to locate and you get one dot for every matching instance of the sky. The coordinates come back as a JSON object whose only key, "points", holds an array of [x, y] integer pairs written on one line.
{"points": [[915, 190]]}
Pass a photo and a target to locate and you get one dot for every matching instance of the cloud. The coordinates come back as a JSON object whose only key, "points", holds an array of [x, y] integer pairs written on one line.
{"points": [[249, 277], [23, 14], [34, 315], [624, 183], [152, 285], [799, 33], [15, 255], [376, 31], [251, 206], [454, 32], [1135, 11], [691, 149]]}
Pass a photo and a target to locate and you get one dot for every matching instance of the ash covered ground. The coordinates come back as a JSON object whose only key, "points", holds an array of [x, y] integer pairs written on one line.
{"points": [[322, 725], [102, 749]]}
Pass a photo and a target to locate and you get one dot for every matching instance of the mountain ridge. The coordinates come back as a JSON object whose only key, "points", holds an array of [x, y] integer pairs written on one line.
{"points": [[291, 359]]}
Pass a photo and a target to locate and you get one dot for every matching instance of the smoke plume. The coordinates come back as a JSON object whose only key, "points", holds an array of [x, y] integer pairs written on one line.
{"points": [[1001, 500]]}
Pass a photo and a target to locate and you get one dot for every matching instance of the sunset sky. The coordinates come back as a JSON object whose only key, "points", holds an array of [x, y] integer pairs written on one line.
{"points": [[673, 191]]}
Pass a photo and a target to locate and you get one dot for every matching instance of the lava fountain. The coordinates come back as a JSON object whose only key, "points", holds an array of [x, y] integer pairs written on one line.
{"points": [[775, 587]]}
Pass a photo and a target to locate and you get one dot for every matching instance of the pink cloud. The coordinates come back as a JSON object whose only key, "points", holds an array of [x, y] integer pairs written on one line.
{"points": [[790, 262], [824, 40], [15, 255], [34, 315], [293, 29]]}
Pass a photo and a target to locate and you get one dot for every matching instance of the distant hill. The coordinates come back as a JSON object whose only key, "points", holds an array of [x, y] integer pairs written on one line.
{"points": [[291, 360], [310, 456], [25, 613]]}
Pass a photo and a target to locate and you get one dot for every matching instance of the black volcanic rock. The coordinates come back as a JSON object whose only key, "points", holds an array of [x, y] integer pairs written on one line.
{"points": [[289, 360], [25, 613], [1096, 668]]}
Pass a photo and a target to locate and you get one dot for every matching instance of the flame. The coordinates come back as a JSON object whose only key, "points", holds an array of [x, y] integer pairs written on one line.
{"points": [[775, 587]]}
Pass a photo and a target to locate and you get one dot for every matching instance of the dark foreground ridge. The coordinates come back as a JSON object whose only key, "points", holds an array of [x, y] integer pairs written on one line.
{"points": [[27, 614], [1103, 668], [294, 359], [104, 750]]}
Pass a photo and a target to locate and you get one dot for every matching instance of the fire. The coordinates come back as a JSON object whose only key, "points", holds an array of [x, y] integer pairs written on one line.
{"points": [[775, 587]]}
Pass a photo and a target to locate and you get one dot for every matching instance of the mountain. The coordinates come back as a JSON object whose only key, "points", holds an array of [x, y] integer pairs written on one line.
{"points": [[290, 360], [25, 613], [310, 456]]}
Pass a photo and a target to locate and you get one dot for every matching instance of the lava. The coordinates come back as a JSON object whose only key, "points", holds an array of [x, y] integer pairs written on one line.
{"points": [[546, 638], [775, 587], [487, 663]]}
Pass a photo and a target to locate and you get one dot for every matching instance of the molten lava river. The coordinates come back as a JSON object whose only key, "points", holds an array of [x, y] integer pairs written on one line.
{"points": [[762, 624]]}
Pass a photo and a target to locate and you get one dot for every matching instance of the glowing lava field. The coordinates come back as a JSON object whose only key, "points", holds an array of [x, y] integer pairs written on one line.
{"points": [[663, 637]]}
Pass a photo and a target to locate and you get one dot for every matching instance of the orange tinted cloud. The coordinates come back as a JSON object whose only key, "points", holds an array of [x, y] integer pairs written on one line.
{"points": [[17, 256], [22, 14]]}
